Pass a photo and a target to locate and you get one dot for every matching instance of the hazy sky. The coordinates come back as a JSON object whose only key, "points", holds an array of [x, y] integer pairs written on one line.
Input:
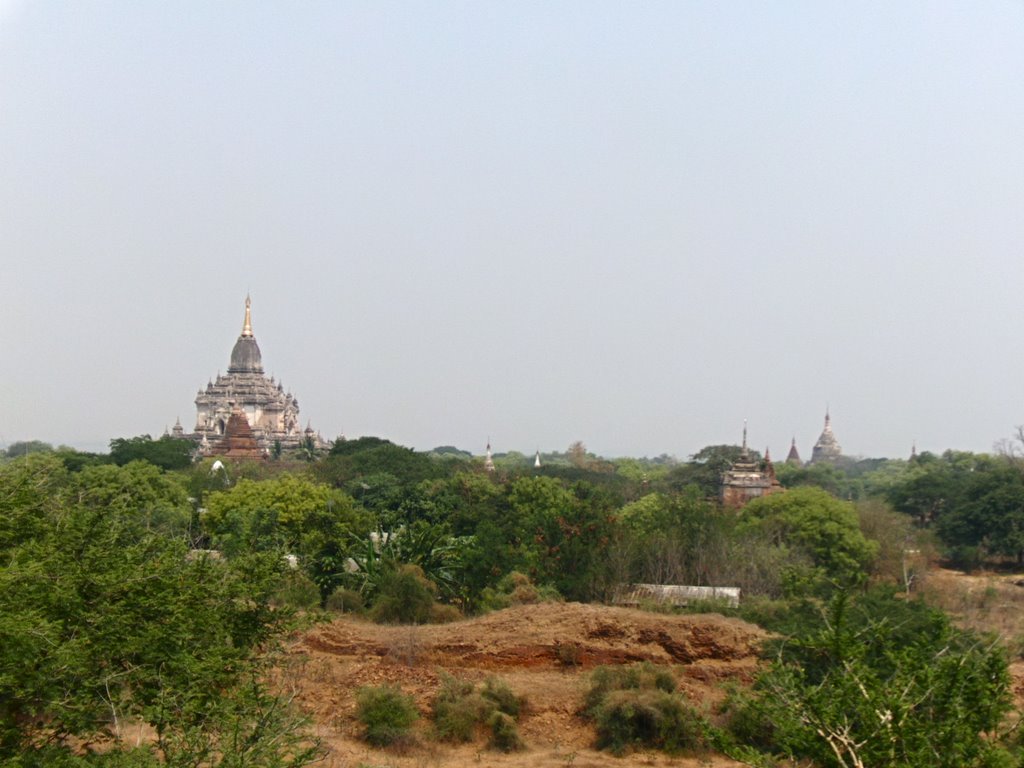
{"points": [[629, 223]]}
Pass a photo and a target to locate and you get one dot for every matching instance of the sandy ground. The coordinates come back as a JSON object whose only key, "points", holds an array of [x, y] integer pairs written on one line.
{"points": [[527, 647]]}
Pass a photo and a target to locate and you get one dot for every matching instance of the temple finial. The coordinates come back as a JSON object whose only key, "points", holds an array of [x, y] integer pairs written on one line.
{"points": [[247, 326], [744, 437]]}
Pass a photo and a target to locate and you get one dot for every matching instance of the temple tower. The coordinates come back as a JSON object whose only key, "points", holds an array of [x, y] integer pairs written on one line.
{"points": [[827, 448], [748, 478], [794, 455], [271, 412]]}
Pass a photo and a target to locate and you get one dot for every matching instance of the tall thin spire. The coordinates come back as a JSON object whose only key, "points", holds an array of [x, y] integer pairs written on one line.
{"points": [[488, 458], [794, 455], [247, 326], [744, 452]]}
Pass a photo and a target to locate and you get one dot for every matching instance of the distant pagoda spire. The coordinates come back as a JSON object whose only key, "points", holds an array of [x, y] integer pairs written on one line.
{"points": [[793, 457], [536, 460], [744, 452], [827, 449], [247, 325], [488, 458]]}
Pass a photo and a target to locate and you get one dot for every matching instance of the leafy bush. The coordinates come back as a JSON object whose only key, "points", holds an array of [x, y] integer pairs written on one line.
{"points": [[645, 676], [386, 713], [497, 691], [405, 597], [456, 720], [636, 705], [460, 710], [648, 718], [442, 613], [105, 620], [516, 589], [504, 734], [857, 687], [343, 600], [297, 591]]}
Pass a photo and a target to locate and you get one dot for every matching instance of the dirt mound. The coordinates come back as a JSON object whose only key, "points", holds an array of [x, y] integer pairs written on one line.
{"points": [[543, 651]]}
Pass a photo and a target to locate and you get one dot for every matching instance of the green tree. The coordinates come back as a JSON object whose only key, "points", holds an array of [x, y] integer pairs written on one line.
{"points": [[308, 519], [704, 469], [166, 452], [25, 447], [856, 691], [106, 620], [566, 533], [827, 476], [680, 539], [989, 513], [350, 460], [155, 499], [820, 526]]}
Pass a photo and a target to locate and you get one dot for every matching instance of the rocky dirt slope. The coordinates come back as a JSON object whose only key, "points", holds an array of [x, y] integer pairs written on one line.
{"points": [[544, 652]]}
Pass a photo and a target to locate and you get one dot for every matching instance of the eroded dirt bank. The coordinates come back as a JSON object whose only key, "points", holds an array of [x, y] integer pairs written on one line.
{"points": [[544, 652]]}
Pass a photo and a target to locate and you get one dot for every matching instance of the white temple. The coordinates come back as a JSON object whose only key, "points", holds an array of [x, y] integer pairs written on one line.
{"points": [[827, 448], [272, 412]]}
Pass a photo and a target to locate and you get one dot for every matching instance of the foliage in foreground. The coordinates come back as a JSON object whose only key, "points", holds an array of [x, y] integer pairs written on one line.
{"points": [[860, 690], [105, 620]]}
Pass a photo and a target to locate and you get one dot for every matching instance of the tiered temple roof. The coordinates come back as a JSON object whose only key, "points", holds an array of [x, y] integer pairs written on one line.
{"points": [[748, 478], [272, 413]]}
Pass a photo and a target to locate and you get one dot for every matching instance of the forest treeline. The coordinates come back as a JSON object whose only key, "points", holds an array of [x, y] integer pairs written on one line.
{"points": [[143, 590]]}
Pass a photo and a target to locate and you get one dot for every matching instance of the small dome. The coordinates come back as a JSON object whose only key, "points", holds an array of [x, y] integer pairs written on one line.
{"points": [[245, 357]]}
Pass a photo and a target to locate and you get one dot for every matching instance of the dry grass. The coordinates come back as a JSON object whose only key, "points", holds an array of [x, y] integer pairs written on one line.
{"points": [[984, 602], [519, 645]]}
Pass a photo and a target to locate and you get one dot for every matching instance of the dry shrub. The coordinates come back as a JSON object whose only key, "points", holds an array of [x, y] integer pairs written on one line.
{"points": [[443, 613], [504, 734], [516, 589], [568, 654], [343, 600], [647, 718], [296, 591], [461, 710], [607, 679], [407, 646], [387, 715], [498, 692], [637, 706]]}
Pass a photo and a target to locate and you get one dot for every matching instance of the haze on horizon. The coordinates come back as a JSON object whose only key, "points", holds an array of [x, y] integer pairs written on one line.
{"points": [[634, 225]]}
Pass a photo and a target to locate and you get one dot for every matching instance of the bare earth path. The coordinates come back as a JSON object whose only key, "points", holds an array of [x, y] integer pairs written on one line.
{"points": [[527, 646]]}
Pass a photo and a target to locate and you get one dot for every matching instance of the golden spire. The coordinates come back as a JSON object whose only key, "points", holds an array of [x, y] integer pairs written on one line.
{"points": [[247, 327]]}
